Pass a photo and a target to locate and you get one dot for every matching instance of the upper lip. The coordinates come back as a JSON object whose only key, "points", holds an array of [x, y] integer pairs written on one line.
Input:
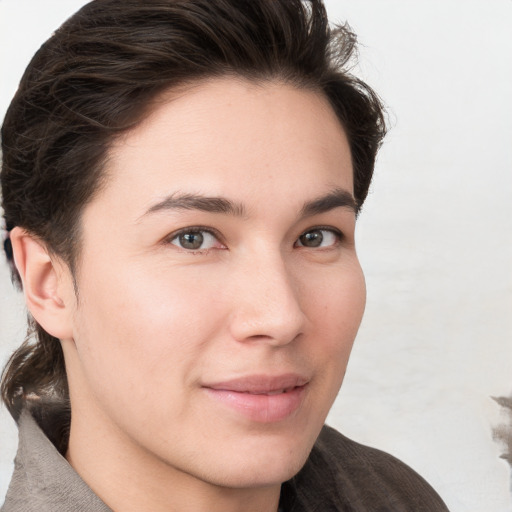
{"points": [[260, 383]]}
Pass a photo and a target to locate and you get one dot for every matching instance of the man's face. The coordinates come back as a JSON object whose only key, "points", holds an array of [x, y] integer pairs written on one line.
{"points": [[219, 288]]}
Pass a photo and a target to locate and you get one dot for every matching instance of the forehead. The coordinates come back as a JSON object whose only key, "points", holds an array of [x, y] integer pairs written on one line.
{"points": [[230, 137]]}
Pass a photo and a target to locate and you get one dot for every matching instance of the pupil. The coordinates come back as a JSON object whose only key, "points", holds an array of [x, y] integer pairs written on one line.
{"points": [[191, 240], [312, 238]]}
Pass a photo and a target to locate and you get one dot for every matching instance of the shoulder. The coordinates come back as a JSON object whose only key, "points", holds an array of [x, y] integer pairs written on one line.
{"points": [[43, 481], [341, 474]]}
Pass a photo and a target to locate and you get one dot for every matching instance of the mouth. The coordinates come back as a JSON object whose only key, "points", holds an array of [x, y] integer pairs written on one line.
{"points": [[262, 399], [271, 393]]}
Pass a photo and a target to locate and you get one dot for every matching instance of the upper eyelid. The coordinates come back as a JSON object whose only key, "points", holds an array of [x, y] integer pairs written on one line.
{"points": [[208, 229], [192, 229], [333, 229], [340, 236]]}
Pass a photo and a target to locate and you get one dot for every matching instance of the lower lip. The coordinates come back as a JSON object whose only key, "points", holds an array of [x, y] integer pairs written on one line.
{"points": [[261, 408]]}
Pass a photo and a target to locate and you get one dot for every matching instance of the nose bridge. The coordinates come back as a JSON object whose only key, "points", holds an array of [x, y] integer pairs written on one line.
{"points": [[267, 304]]}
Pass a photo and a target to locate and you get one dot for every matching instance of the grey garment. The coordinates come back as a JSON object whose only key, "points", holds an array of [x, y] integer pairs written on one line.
{"points": [[339, 475], [43, 480]]}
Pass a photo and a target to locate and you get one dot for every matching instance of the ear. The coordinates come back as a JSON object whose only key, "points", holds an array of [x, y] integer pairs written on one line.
{"points": [[47, 284]]}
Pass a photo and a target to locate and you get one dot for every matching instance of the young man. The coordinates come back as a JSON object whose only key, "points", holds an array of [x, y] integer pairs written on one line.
{"points": [[180, 183]]}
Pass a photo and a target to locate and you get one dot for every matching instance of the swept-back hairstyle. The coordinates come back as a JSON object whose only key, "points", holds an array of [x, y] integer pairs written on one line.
{"points": [[96, 77]]}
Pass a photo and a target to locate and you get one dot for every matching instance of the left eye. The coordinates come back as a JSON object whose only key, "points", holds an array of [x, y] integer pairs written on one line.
{"points": [[318, 238], [196, 240]]}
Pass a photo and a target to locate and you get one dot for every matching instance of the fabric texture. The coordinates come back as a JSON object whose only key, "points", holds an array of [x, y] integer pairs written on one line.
{"points": [[339, 476], [342, 475], [43, 481]]}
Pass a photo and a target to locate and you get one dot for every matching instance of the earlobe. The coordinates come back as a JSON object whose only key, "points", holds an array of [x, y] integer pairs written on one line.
{"points": [[44, 284]]}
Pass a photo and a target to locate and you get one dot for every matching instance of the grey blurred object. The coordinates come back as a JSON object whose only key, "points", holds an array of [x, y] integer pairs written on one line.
{"points": [[503, 433]]}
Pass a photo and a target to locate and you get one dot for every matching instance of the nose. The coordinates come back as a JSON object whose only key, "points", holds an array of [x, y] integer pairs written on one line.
{"points": [[267, 303]]}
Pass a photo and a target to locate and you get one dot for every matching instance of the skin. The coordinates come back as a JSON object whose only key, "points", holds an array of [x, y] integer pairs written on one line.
{"points": [[156, 323]]}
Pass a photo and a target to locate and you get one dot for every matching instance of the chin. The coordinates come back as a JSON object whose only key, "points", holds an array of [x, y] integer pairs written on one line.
{"points": [[248, 476], [264, 467]]}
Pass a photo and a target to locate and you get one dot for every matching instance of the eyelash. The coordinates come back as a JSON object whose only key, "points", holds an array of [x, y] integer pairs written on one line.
{"points": [[201, 229], [336, 232], [194, 230]]}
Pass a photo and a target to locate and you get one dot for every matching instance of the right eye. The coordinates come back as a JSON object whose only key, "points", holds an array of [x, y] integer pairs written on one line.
{"points": [[196, 240]]}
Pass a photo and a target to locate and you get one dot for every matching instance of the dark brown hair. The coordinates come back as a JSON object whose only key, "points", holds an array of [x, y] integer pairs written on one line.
{"points": [[95, 78]]}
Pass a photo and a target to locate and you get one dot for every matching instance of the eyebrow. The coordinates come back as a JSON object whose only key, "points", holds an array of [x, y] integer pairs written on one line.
{"points": [[198, 202], [337, 198]]}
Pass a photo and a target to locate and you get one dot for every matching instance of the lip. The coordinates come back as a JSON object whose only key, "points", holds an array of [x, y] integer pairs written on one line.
{"points": [[261, 398]]}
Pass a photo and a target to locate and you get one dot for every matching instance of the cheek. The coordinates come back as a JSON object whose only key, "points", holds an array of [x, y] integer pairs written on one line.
{"points": [[337, 302], [335, 311], [151, 330]]}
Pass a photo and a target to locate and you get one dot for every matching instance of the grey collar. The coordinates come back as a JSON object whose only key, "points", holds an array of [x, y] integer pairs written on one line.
{"points": [[43, 480]]}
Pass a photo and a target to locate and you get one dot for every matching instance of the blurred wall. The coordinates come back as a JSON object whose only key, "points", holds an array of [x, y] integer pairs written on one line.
{"points": [[435, 238]]}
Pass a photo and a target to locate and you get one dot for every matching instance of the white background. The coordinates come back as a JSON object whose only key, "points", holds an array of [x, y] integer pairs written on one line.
{"points": [[435, 238]]}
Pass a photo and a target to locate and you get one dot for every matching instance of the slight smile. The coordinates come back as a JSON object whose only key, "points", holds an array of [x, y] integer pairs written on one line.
{"points": [[261, 398]]}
